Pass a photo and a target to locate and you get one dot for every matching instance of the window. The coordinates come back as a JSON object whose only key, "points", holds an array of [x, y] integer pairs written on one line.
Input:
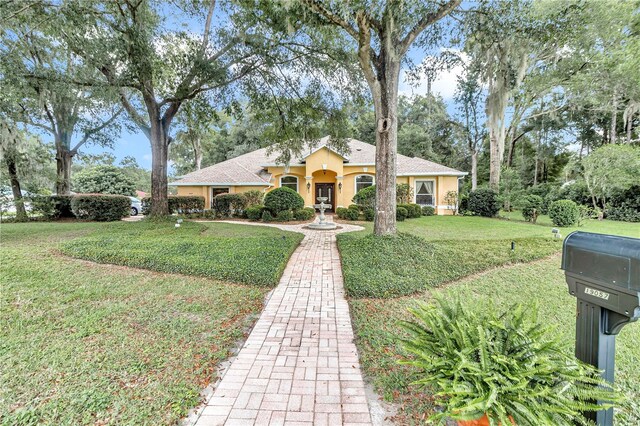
{"points": [[289, 182], [424, 192], [363, 181], [217, 191]]}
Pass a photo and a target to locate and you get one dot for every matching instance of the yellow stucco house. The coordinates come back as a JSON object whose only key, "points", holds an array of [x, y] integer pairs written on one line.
{"points": [[321, 172]]}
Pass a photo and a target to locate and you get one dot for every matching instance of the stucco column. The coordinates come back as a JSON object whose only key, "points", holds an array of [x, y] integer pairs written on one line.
{"points": [[308, 191], [339, 194]]}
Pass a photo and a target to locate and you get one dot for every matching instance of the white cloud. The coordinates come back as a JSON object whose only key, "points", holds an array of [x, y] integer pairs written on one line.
{"points": [[444, 84]]}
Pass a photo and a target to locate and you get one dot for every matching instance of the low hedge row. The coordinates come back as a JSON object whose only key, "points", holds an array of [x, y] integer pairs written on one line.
{"points": [[177, 204], [403, 211], [98, 207]]}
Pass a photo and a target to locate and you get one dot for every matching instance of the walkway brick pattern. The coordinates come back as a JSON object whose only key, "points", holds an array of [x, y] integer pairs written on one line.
{"points": [[299, 364]]}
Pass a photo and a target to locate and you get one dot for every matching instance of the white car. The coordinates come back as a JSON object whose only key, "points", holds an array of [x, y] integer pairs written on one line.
{"points": [[136, 206]]}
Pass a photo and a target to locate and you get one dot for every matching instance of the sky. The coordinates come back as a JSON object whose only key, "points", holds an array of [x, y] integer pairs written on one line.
{"points": [[137, 145]]}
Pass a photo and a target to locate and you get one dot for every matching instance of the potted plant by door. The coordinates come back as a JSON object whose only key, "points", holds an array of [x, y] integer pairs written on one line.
{"points": [[494, 368]]}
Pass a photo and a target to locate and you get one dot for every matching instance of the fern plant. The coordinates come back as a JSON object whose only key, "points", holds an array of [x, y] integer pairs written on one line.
{"points": [[507, 366]]}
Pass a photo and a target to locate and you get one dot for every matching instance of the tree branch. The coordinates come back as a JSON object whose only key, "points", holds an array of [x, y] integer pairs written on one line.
{"points": [[427, 20], [91, 132], [331, 17]]}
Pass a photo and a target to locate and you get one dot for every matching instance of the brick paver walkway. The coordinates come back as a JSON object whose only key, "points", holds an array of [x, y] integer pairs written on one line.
{"points": [[299, 364]]}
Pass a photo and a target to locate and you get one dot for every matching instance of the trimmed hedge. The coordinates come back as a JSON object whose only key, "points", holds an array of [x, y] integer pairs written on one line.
{"points": [[227, 205], [101, 208], [177, 204], [564, 213], [281, 199], [254, 212], [401, 213], [413, 210], [531, 206], [428, 211], [304, 214], [52, 206], [484, 202]]}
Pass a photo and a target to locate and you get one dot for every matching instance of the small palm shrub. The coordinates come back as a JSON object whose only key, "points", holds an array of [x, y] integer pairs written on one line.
{"points": [[484, 202], [281, 199], [564, 213], [428, 211], [530, 205], [401, 214], [505, 365]]}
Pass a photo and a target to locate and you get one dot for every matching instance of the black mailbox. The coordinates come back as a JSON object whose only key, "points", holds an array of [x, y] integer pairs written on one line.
{"points": [[603, 273]]}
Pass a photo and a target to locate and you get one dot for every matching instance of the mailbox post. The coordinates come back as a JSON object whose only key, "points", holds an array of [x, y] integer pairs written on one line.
{"points": [[603, 273]]}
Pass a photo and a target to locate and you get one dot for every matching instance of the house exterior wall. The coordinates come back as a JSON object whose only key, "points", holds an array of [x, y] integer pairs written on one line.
{"points": [[336, 171]]}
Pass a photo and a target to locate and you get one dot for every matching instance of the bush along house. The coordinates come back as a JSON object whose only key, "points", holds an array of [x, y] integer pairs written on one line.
{"points": [[322, 172]]}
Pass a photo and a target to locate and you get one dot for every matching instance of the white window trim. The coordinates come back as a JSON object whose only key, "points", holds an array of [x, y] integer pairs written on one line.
{"points": [[297, 181], [355, 181], [415, 192]]}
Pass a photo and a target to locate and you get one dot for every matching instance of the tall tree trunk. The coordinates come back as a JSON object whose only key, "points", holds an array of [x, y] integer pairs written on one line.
{"points": [[159, 139], [496, 151], [386, 112], [21, 213], [614, 118], [64, 158], [474, 170]]}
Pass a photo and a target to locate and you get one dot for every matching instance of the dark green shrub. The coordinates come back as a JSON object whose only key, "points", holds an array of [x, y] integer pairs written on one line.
{"points": [[401, 213], [284, 216], [625, 205], [564, 213], [352, 214], [413, 210], [340, 212], [177, 204], [228, 205], [254, 197], [575, 191], [104, 179], [306, 213], [428, 211], [366, 197], [484, 202], [464, 204], [530, 205], [101, 208], [254, 212], [52, 206], [281, 199], [354, 207], [267, 216], [472, 346], [369, 214]]}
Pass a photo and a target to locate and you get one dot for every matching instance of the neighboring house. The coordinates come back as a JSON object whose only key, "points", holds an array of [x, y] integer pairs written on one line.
{"points": [[323, 171]]}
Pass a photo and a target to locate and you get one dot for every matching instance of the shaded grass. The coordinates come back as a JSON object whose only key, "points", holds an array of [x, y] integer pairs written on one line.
{"points": [[404, 264], [375, 323], [85, 343], [238, 253]]}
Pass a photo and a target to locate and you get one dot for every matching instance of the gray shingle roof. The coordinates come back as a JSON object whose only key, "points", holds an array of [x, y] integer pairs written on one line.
{"points": [[250, 169]]}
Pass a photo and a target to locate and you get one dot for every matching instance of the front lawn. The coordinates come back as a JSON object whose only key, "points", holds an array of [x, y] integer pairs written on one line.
{"points": [[435, 250], [85, 343], [238, 253]]}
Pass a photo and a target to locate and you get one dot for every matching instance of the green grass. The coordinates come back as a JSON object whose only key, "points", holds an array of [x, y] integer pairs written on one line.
{"points": [[86, 343], [433, 251], [377, 332], [238, 253]]}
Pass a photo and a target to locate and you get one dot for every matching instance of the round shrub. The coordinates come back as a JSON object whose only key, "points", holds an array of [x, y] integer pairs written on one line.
{"points": [[267, 216], [104, 180], [531, 205], [428, 211], [284, 216], [304, 214], [484, 202], [369, 214], [366, 197], [401, 213], [281, 199], [340, 212], [101, 208], [254, 212], [352, 214], [564, 213], [417, 211]]}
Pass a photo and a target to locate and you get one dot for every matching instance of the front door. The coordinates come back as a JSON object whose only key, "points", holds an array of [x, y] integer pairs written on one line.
{"points": [[325, 190]]}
